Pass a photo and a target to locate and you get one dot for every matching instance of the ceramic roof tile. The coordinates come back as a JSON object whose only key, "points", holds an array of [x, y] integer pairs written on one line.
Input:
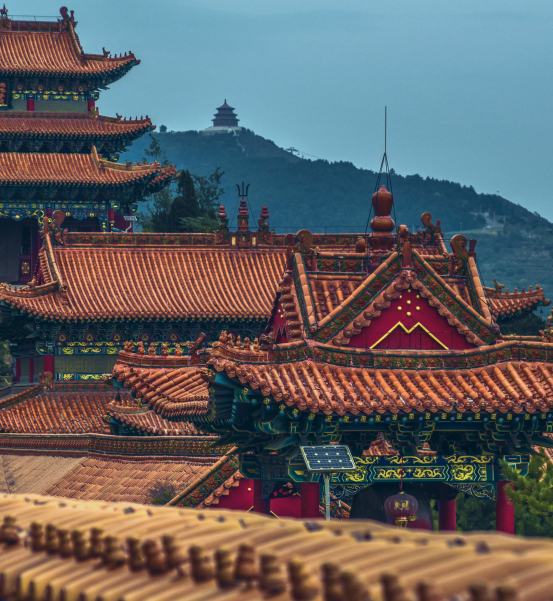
{"points": [[28, 48], [169, 392], [503, 304], [67, 125], [149, 422], [340, 560], [40, 169], [58, 413], [173, 282], [510, 386], [130, 481]]}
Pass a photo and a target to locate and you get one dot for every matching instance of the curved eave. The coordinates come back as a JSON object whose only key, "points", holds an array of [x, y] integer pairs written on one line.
{"points": [[84, 74]]}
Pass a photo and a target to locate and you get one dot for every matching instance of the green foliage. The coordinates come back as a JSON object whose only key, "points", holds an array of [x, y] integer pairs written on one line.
{"points": [[158, 210], [209, 190], [532, 495], [162, 492], [535, 490], [185, 204], [5, 363], [526, 324], [474, 514], [188, 207]]}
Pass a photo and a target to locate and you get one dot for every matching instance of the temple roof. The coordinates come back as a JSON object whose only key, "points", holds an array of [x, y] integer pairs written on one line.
{"points": [[169, 392], [52, 49], [505, 304], [158, 281], [76, 170], [70, 125], [38, 411], [294, 559], [128, 480]]}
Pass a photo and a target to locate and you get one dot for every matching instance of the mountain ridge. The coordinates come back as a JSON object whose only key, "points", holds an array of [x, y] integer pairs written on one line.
{"points": [[313, 194]]}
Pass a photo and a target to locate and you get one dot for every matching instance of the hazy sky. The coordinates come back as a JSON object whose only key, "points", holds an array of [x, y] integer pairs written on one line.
{"points": [[468, 84]]}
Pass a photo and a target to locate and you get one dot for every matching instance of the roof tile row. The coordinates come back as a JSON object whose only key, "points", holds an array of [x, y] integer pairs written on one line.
{"points": [[236, 555]]}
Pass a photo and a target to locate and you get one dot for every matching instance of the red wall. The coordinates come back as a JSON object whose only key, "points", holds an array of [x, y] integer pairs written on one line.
{"points": [[420, 313], [241, 498], [289, 507]]}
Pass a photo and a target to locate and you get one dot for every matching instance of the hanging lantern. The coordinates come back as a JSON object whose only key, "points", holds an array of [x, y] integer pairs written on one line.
{"points": [[402, 507]]}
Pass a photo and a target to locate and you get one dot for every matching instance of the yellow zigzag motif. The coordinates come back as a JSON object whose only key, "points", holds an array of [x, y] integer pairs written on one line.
{"points": [[399, 324]]}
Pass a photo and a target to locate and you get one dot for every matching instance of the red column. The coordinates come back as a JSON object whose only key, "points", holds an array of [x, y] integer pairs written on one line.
{"points": [[31, 369], [91, 105], [504, 509], [447, 519], [49, 364], [18, 369], [310, 500], [30, 104], [260, 505]]}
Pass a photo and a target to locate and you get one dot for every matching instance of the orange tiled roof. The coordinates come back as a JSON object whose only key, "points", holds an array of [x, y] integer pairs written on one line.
{"points": [[92, 549], [170, 392], [40, 169], [128, 480], [149, 422], [58, 413], [507, 303], [510, 386], [67, 125], [179, 283], [52, 53], [313, 386]]}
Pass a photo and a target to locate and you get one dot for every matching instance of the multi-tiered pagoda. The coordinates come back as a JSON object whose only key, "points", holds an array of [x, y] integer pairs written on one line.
{"points": [[224, 121], [56, 151]]}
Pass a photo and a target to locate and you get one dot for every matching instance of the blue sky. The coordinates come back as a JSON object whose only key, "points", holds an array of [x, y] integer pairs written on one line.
{"points": [[468, 85]]}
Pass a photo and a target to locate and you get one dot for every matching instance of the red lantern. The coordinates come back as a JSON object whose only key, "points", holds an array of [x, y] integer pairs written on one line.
{"points": [[402, 507]]}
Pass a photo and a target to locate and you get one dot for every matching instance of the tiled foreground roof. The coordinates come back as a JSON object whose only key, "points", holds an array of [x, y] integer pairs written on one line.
{"points": [[129, 480], [69, 125], [155, 282], [41, 169], [90, 550]]}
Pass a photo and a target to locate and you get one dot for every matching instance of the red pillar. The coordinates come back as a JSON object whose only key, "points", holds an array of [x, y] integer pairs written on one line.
{"points": [[447, 518], [30, 104], [260, 505], [31, 369], [310, 500], [504, 509], [49, 364], [91, 105], [18, 369]]}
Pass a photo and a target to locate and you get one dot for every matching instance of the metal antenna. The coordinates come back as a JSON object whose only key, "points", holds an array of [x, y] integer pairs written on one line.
{"points": [[385, 127]]}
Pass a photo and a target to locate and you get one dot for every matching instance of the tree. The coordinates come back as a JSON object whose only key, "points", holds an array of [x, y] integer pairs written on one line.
{"points": [[208, 189], [185, 204], [5, 363], [526, 324], [532, 495], [162, 492], [157, 217]]}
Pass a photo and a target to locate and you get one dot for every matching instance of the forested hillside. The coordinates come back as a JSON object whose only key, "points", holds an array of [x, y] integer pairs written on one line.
{"points": [[317, 194]]}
